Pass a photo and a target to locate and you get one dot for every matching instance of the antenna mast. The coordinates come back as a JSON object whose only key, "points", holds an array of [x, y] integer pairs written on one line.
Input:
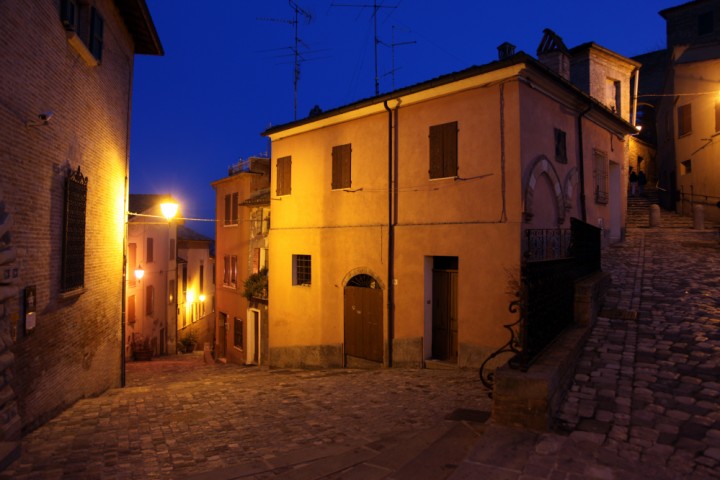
{"points": [[375, 8], [296, 49]]}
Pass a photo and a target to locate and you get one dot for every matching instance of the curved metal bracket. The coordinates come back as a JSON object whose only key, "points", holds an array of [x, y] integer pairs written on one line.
{"points": [[512, 346]]}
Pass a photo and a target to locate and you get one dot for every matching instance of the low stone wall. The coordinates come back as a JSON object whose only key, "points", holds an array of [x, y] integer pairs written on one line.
{"points": [[531, 399], [310, 356]]}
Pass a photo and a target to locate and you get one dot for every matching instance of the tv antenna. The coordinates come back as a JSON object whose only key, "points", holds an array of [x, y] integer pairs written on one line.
{"points": [[299, 11], [375, 8], [392, 46]]}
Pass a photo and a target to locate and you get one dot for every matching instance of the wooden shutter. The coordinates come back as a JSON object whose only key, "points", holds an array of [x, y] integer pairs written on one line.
{"points": [[443, 150], [235, 205], [684, 119], [284, 178], [227, 209], [149, 257], [341, 166], [131, 309]]}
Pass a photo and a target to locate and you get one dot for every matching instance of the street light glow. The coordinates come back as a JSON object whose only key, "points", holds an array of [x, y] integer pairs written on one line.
{"points": [[169, 209]]}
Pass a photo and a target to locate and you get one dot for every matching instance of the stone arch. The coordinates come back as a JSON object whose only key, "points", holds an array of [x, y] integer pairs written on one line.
{"points": [[362, 271], [542, 166]]}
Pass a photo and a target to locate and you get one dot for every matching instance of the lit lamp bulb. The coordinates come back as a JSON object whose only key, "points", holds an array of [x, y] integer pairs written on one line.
{"points": [[190, 296], [202, 297], [169, 210], [139, 272]]}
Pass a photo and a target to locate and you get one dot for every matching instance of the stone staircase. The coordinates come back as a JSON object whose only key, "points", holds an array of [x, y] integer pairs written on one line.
{"points": [[638, 212]]}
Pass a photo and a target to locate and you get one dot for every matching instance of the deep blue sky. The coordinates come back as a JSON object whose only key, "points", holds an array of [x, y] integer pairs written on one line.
{"points": [[227, 72]]}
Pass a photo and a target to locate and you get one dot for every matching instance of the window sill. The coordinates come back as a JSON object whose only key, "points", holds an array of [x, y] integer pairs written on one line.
{"points": [[72, 293], [81, 48]]}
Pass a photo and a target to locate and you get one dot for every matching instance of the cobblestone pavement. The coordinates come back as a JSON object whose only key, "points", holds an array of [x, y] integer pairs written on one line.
{"points": [[179, 416], [647, 387], [645, 403]]}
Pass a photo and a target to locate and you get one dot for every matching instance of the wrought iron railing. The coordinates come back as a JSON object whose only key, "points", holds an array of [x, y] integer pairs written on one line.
{"points": [[545, 302], [547, 244]]}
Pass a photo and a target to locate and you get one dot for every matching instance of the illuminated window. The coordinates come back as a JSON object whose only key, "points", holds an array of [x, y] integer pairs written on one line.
{"points": [[684, 113], [284, 177], [302, 270], [560, 146], [601, 176], [444, 150], [341, 166]]}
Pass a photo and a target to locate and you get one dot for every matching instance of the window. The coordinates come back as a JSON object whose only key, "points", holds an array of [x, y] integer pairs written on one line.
{"points": [[85, 27], [73, 239], [684, 119], [686, 166], [706, 23], [238, 332], [202, 278], [149, 299], [171, 254], [149, 250], [131, 309], [302, 271], [717, 116], [560, 146], [443, 150], [601, 176], [284, 177], [613, 90], [231, 209], [183, 278], [230, 271], [341, 166], [132, 263]]}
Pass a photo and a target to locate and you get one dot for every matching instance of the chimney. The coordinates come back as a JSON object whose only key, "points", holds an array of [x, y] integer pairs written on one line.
{"points": [[553, 53], [505, 50]]}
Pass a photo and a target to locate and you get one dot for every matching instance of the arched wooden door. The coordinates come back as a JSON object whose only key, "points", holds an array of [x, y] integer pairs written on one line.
{"points": [[363, 318]]}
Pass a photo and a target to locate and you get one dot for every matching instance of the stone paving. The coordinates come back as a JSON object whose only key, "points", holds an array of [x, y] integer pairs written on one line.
{"points": [[648, 384], [645, 402]]}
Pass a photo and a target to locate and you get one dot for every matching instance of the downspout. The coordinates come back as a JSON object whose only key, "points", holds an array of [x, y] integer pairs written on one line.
{"points": [[633, 114], [126, 193], [581, 164], [391, 240]]}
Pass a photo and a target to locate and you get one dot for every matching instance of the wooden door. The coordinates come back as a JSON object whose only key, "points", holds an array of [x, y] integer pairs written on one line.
{"points": [[222, 336], [364, 323], [444, 315]]}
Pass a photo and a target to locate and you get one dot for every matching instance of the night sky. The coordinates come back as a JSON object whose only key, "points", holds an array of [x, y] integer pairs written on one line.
{"points": [[227, 73]]}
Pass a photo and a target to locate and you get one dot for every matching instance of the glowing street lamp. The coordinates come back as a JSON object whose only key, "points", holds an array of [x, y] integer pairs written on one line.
{"points": [[169, 210], [139, 272]]}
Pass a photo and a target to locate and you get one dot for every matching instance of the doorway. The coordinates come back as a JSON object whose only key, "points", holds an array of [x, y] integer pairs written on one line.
{"points": [[363, 319], [222, 336], [253, 335], [444, 309]]}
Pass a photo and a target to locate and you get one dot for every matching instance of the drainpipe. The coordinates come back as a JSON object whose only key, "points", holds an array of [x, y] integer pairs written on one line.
{"points": [[391, 240], [581, 164], [633, 114]]}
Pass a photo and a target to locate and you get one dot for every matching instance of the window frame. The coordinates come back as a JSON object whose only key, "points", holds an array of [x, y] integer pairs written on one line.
{"points": [[560, 146], [684, 119], [238, 333], [149, 300], [302, 270], [601, 168], [443, 150], [73, 232]]}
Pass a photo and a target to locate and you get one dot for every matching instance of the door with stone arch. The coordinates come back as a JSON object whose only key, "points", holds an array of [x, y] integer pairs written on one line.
{"points": [[363, 318]]}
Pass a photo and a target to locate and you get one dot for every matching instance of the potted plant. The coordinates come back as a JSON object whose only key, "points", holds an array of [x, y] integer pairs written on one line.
{"points": [[141, 349], [256, 285], [189, 341]]}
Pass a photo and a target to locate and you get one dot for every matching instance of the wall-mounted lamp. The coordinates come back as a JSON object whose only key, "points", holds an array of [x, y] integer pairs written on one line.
{"points": [[202, 297], [43, 119], [139, 272]]}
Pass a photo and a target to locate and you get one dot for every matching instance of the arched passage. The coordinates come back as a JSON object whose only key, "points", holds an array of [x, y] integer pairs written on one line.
{"points": [[543, 167]]}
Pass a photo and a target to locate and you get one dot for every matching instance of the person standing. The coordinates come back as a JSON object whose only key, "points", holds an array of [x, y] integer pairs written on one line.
{"points": [[633, 182]]}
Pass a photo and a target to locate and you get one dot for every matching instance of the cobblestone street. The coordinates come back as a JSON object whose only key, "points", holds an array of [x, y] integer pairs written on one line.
{"points": [[645, 403]]}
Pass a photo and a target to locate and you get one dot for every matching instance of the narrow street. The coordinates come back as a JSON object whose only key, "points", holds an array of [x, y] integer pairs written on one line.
{"points": [[645, 402]]}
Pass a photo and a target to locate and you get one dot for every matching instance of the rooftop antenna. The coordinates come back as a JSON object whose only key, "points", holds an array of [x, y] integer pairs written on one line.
{"points": [[299, 11], [392, 52], [375, 8]]}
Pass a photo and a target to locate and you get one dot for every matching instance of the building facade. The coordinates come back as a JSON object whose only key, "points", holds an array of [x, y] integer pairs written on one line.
{"points": [[243, 210], [65, 95], [151, 302], [399, 222], [195, 287]]}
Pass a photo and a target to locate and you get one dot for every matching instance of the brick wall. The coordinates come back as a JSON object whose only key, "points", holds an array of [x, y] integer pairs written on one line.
{"points": [[74, 350]]}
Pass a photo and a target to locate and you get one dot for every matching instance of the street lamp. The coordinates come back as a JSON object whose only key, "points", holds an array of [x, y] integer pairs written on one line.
{"points": [[139, 272], [169, 210]]}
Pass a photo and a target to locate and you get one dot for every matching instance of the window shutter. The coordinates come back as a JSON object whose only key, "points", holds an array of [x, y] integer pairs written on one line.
{"points": [[287, 174], [227, 209], [450, 135], [342, 166], [284, 166], [96, 34], [436, 152], [235, 205], [149, 257], [336, 168]]}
